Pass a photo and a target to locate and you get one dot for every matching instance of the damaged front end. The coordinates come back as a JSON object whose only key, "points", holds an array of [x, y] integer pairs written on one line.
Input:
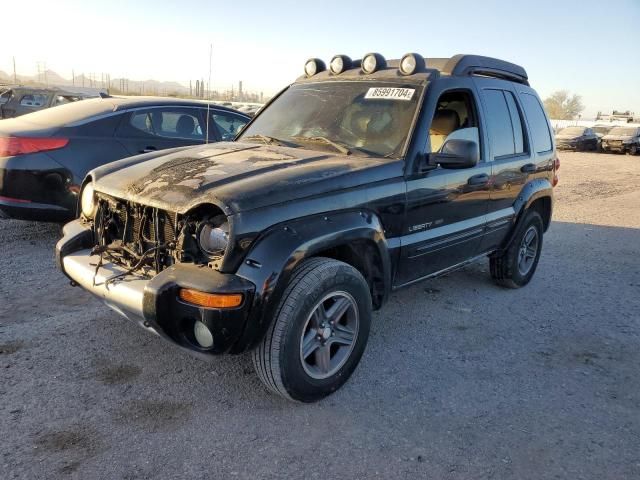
{"points": [[153, 266], [146, 240]]}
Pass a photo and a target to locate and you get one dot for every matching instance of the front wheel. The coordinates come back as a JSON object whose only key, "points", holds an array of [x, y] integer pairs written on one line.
{"points": [[319, 333], [515, 267]]}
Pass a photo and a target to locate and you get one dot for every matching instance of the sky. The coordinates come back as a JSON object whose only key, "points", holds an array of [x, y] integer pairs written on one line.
{"points": [[586, 47]]}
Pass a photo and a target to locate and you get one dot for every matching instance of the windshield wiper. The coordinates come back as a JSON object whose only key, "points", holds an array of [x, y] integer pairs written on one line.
{"points": [[338, 146], [269, 140]]}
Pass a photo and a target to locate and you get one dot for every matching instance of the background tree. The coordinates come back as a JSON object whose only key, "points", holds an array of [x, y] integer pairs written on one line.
{"points": [[563, 106]]}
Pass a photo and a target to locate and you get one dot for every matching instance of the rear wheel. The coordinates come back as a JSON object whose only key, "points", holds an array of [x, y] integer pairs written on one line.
{"points": [[319, 334], [633, 150], [515, 267]]}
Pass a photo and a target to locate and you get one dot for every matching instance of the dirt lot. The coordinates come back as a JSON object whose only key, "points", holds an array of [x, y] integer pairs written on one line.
{"points": [[461, 379]]}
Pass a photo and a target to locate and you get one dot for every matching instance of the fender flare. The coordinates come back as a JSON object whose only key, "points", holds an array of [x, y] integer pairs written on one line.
{"points": [[532, 191], [275, 254]]}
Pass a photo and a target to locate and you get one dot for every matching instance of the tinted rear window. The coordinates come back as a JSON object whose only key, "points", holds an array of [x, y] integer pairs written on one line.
{"points": [[70, 113], [537, 122], [499, 120]]}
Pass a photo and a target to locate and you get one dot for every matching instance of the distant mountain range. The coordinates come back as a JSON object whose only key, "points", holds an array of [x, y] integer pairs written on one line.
{"points": [[148, 87]]}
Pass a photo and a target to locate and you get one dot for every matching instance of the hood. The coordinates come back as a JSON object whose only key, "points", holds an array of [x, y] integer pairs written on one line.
{"points": [[237, 176], [617, 137]]}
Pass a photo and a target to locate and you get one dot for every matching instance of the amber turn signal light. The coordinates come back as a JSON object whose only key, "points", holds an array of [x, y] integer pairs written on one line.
{"points": [[210, 300]]}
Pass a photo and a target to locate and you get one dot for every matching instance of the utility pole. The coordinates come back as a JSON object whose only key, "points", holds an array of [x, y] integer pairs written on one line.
{"points": [[15, 77], [73, 77]]}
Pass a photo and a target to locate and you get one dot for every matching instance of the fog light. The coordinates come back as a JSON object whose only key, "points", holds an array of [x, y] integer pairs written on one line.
{"points": [[202, 334], [372, 62], [313, 66], [339, 64], [410, 63]]}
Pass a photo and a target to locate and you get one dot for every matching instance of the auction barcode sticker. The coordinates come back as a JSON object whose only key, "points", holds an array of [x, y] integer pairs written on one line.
{"points": [[390, 93]]}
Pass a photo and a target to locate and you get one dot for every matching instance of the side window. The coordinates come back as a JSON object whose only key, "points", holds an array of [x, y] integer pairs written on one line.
{"points": [[228, 124], [538, 123], [5, 96], [167, 123], [33, 100], [455, 117], [499, 125], [62, 99], [516, 123]]}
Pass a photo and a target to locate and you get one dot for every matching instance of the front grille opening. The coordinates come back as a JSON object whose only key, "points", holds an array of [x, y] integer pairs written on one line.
{"points": [[136, 236]]}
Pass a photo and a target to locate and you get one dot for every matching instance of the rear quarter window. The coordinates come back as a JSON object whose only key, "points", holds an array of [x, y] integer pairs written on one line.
{"points": [[33, 100], [538, 123]]}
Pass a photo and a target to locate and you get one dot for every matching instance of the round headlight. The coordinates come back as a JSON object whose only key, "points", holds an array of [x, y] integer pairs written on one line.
{"points": [[88, 201], [372, 62], [339, 64], [214, 240], [313, 66], [410, 63]]}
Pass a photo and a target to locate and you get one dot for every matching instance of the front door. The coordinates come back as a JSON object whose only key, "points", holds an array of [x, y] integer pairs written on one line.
{"points": [[446, 208]]}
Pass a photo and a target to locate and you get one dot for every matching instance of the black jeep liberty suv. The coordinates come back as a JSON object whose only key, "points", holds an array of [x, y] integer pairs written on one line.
{"points": [[352, 182]]}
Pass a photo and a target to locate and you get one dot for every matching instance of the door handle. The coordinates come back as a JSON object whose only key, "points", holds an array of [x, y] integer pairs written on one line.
{"points": [[148, 149], [477, 180], [529, 168]]}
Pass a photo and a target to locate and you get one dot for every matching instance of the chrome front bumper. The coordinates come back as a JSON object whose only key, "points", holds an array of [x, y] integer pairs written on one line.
{"points": [[125, 295], [154, 303]]}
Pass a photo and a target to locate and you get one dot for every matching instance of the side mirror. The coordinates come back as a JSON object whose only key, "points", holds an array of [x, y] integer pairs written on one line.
{"points": [[456, 153]]}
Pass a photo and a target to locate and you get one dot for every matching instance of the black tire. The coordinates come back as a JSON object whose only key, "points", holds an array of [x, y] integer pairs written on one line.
{"points": [[505, 268], [633, 150], [278, 358]]}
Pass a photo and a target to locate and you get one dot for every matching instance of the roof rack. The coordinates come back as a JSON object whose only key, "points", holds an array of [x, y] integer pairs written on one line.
{"points": [[464, 65]]}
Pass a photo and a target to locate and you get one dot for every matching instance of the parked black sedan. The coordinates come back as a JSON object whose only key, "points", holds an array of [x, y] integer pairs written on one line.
{"points": [[577, 138], [45, 155]]}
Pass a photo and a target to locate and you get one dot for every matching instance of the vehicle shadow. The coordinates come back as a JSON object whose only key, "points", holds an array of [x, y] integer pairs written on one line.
{"points": [[455, 367], [460, 323]]}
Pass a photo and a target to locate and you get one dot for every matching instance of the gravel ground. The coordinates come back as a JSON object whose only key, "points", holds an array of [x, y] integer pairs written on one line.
{"points": [[461, 379]]}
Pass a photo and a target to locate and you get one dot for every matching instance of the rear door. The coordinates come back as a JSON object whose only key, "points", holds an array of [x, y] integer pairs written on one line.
{"points": [[517, 156], [156, 128], [31, 102]]}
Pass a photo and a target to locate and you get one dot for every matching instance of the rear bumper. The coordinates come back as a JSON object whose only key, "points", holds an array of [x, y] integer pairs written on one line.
{"points": [[35, 187], [615, 147], [152, 302], [26, 210]]}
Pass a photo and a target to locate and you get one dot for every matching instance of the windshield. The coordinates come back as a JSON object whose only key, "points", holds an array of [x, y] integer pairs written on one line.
{"points": [[623, 131], [601, 129], [571, 131], [69, 113], [365, 118]]}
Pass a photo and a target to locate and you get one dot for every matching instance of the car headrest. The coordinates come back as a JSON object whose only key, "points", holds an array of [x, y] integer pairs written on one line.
{"points": [[444, 122], [185, 125]]}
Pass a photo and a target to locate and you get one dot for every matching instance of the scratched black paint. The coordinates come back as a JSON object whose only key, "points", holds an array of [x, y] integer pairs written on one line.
{"points": [[286, 204]]}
